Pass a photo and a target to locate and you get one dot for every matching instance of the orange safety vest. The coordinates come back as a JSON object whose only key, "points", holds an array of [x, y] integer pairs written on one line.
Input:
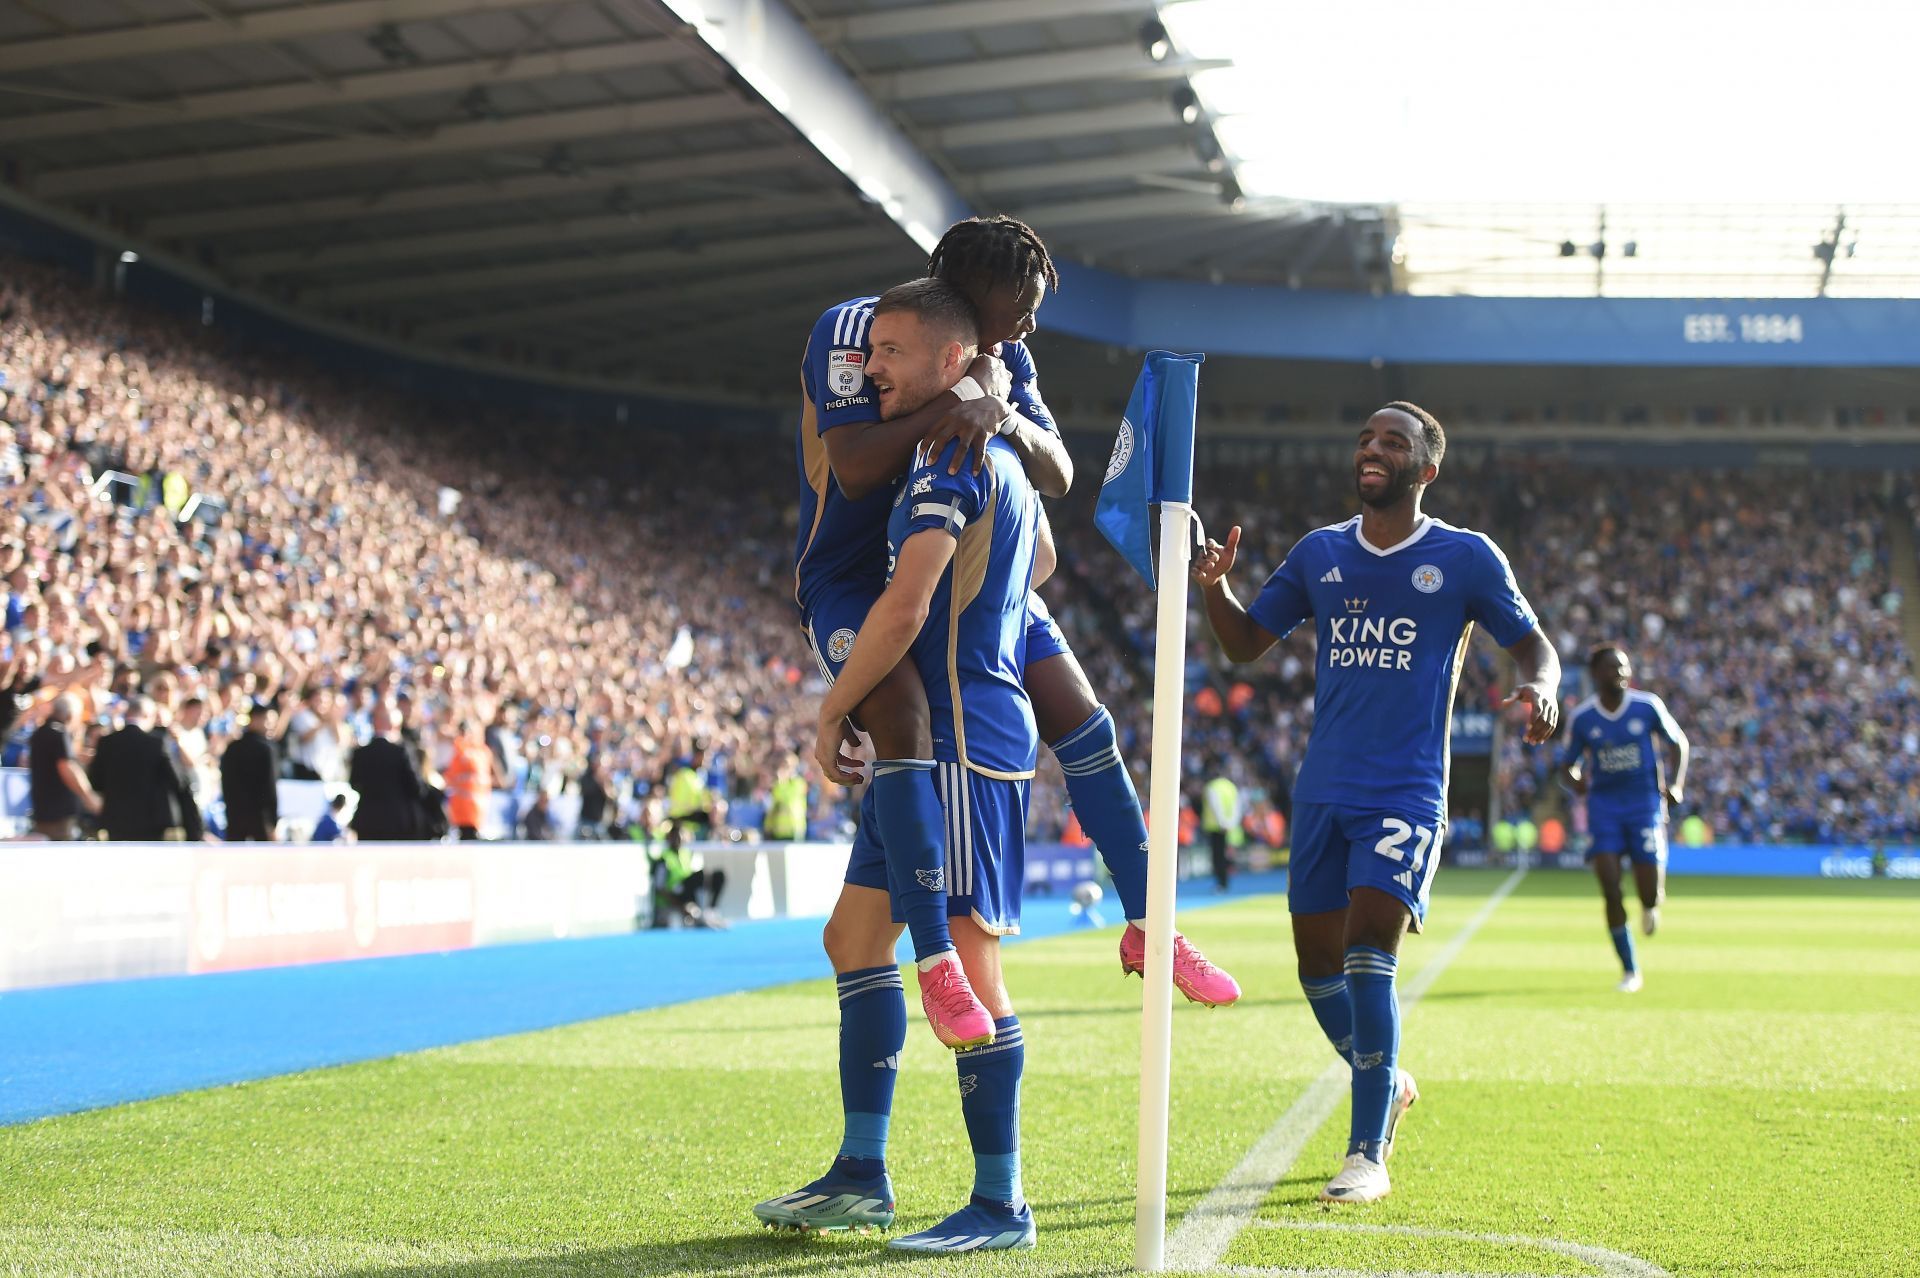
{"points": [[469, 778]]}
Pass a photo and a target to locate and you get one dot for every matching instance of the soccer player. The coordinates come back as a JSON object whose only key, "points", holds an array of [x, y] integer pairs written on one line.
{"points": [[1610, 757], [851, 463], [1395, 594], [961, 549]]}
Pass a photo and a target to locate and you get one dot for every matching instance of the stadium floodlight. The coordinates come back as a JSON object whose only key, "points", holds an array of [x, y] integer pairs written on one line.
{"points": [[1186, 104], [1521, 78], [1153, 40], [128, 257]]}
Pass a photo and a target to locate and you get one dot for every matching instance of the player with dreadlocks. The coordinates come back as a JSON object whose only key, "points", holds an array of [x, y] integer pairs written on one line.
{"points": [[852, 457]]}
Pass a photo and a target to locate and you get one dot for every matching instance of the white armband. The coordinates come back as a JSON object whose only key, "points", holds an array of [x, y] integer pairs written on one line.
{"points": [[966, 388], [1010, 423]]}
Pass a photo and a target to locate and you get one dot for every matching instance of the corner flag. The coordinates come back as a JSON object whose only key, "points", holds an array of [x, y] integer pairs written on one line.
{"points": [[1152, 458], [1153, 464]]}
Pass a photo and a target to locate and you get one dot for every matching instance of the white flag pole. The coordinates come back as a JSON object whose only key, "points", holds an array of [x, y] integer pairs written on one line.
{"points": [[1163, 795]]}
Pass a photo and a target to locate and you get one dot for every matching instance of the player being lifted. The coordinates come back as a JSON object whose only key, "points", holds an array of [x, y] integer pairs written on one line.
{"points": [[1394, 594], [852, 456], [1610, 758], [960, 565]]}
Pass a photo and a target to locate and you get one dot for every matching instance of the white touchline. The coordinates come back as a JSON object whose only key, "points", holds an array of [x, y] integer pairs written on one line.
{"points": [[1211, 1225], [1611, 1264]]}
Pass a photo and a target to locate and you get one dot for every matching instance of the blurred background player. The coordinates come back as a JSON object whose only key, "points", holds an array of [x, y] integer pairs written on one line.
{"points": [[1610, 759], [1395, 594]]}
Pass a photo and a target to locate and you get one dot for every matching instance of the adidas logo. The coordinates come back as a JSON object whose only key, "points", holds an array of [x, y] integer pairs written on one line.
{"points": [[891, 1062], [1404, 879], [1332, 574]]}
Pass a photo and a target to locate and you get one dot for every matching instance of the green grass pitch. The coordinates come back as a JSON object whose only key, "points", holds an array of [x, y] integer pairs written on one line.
{"points": [[1751, 1113]]}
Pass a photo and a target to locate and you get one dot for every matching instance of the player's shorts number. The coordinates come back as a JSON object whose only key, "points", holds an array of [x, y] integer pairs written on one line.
{"points": [[1651, 840], [1397, 833]]}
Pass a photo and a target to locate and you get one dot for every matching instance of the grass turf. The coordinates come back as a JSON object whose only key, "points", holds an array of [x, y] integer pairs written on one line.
{"points": [[1750, 1113]]}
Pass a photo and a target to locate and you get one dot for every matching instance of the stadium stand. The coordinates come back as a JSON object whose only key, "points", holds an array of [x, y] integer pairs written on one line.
{"points": [[208, 520]]}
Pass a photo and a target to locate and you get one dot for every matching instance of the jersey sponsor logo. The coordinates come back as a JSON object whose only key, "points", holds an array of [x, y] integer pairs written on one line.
{"points": [[846, 370], [1355, 605], [1122, 451], [840, 645], [1622, 758], [1427, 579], [1332, 574], [1373, 642]]}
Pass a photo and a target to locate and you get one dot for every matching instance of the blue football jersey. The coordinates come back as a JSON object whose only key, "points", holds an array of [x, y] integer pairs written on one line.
{"points": [[840, 540], [1393, 626], [1623, 767], [972, 650]]}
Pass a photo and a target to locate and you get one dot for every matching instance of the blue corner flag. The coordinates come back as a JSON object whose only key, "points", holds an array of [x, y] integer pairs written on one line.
{"points": [[1152, 456]]}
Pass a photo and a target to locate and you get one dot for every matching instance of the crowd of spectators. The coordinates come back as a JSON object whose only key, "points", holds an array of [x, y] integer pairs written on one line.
{"points": [[543, 607]]}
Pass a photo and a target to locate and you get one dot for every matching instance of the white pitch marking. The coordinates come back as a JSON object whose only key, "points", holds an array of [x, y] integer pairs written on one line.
{"points": [[1211, 1225], [1612, 1264]]}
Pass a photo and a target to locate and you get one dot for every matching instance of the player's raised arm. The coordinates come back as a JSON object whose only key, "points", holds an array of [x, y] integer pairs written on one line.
{"points": [[867, 456], [1539, 683], [885, 636], [1241, 637], [1030, 429]]}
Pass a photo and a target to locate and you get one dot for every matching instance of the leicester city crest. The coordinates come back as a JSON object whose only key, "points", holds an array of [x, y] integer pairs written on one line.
{"points": [[1427, 579], [839, 645], [1122, 451]]}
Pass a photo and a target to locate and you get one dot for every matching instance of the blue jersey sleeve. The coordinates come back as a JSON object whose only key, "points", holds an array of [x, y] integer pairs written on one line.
{"points": [[1495, 600], [1282, 603], [935, 499], [1026, 386], [1668, 727], [835, 370]]}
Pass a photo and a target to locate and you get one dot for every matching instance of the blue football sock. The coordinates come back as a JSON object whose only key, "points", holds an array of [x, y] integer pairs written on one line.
{"points": [[1376, 1047], [1328, 998], [990, 1102], [912, 829], [1623, 946], [873, 1032], [1104, 799]]}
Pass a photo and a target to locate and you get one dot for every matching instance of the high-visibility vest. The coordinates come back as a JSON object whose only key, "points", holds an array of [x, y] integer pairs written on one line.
{"points": [[787, 809], [469, 778], [686, 794], [1220, 806]]}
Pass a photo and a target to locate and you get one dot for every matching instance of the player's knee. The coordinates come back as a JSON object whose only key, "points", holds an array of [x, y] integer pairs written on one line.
{"points": [[853, 943]]}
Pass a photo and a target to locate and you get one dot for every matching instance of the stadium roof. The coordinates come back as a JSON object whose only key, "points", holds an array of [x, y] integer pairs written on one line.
{"points": [[586, 185], [606, 189]]}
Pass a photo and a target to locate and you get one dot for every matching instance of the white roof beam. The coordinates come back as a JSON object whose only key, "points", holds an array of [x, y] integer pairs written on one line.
{"points": [[598, 266], [1076, 66], [290, 22], [533, 186], [477, 135], [373, 86], [966, 15], [582, 230]]}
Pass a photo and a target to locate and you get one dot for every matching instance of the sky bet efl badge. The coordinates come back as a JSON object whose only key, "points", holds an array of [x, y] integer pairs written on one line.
{"points": [[845, 371]]}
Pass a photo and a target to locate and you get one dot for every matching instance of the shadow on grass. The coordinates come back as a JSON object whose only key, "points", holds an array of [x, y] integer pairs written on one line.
{"points": [[745, 1254]]}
